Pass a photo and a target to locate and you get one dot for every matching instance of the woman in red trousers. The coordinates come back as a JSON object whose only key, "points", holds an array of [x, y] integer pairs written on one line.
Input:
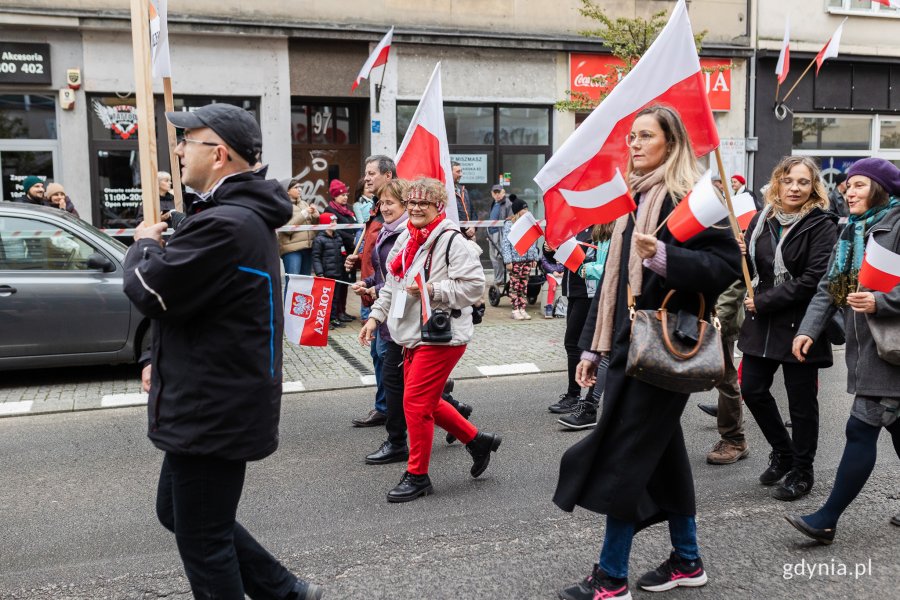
{"points": [[434, 277]]}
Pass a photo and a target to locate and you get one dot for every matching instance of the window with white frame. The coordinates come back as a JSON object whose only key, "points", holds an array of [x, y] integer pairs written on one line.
{"points": [[863, 7], [837, 141]]}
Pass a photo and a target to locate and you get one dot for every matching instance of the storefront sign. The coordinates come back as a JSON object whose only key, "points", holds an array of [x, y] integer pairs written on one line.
{"points": [[121, 119], [24, 63], [474, 167], [596, 74]]}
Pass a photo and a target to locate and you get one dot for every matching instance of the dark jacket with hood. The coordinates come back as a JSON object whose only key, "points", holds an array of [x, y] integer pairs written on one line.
{"points": [[213, 294], [770, 331], [327, 257]]}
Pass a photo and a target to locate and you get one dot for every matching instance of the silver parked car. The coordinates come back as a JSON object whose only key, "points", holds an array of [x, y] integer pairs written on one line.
{"points": [[61, 298]]}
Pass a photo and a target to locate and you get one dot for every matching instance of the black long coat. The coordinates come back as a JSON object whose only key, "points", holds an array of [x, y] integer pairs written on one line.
{"points": [[634, 465], [770, 331]]}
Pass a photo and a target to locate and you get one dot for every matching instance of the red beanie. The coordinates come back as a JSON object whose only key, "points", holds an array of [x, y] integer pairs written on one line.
{"points": [[740, 179], [326, 218], [337, 188]]}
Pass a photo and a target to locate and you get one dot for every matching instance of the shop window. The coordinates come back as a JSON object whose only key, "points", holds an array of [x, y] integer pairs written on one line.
{"points": [[524, 126], [119, 183], [16, 165], [818, 133], [27, 117], [890, 134], [861, 7]]}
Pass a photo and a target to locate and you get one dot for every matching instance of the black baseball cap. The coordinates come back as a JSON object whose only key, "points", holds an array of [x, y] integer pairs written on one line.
{"points": [[233, 124]]}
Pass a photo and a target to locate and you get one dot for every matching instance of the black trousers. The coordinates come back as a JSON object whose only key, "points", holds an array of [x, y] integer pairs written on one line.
{"points": [[576, 315], [801, 382], [392, 381], [197, 500]]}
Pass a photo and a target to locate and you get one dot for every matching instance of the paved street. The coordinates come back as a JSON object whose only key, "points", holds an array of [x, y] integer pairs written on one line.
{"points": [[78, 488]]}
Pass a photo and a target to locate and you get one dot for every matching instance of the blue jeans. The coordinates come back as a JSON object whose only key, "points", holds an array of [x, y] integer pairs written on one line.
{"points": [[298, 262], [617, 543], [377, 350], [197, 500]]}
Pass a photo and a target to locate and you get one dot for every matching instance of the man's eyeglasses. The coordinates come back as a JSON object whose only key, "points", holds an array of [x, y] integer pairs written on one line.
{"points": [[181, 139]]}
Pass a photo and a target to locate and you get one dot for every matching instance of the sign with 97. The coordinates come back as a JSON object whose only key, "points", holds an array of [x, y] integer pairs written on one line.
{"points": [[24, 63]]}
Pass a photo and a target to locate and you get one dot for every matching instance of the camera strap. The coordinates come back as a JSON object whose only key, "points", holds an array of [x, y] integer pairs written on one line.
{"points": [[424, 275]]}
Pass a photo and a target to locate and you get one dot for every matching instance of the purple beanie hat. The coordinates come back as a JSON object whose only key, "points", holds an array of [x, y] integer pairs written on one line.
{"points": [[880, 171]]}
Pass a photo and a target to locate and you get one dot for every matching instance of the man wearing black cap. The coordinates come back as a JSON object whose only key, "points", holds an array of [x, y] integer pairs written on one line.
{"points": [[215, 379], [501, 209]]}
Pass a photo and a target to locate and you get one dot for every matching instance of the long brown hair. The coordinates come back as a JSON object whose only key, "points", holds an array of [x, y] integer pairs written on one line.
{"points": [[681, 164], [601, 233], [818, 197]]}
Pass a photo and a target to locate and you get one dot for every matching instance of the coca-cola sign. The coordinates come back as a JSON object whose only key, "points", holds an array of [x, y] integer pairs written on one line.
{"points": [[596, 74]]}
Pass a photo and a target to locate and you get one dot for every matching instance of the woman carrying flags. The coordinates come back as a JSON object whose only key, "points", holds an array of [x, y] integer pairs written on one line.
{"points": [[634, 466], [518, 266], [434, 277], [875, 382], [788, 244]]}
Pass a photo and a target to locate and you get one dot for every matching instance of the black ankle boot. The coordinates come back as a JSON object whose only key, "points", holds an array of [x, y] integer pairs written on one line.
{"points": [[410, 487], [466, 411], [480, 448], [779, 465]]}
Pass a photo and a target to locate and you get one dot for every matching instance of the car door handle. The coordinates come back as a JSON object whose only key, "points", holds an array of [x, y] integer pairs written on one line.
{"points": [[7, 290]]}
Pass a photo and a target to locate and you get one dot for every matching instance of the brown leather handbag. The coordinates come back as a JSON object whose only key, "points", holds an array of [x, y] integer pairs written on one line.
{"points": [[657, 357]]}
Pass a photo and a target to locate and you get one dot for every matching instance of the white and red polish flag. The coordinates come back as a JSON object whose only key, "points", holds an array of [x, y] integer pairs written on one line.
{"points": [[424, 151], [378, 57], [570, 254], [830, 50], [784, 57], [890, 3], [668, 73], [744, 209], [159, 38], [524, 232], [423, 293], [307, 310], [880, 269], [697, 211]]}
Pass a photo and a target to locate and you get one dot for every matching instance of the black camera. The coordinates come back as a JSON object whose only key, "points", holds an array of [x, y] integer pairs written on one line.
{"points": [[437, 329]]}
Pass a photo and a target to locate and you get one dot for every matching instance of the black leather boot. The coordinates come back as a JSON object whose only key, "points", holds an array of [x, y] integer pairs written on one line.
{"points": [[410, 487], [480, 448], [779, 465], [388, 453], [466, 411]]}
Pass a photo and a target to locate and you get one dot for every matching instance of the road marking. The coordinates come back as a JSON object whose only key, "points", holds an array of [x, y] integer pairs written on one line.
{"points": [[112, 400], [16, 408], [367, 379], [511, 369], [292, 386]]}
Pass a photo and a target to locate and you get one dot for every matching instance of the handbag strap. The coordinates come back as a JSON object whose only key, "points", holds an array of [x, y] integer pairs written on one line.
{"points": [[664, 317]]}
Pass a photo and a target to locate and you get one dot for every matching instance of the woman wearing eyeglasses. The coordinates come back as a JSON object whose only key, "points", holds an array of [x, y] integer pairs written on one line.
{"points": [[434, 276], [788, 244]]}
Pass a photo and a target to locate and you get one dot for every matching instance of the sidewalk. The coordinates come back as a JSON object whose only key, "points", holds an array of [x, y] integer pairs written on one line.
{"points": [[500, 347]]}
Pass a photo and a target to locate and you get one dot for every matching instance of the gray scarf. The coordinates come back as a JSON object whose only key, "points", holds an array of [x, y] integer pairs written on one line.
{"points": [[787, 221]]}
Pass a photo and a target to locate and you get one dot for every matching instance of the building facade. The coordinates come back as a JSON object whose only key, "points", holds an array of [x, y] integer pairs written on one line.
{"points": [[504, 65]]}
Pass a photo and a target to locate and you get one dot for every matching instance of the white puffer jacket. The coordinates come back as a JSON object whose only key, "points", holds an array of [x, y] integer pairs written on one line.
{"points": [[456, 286]]}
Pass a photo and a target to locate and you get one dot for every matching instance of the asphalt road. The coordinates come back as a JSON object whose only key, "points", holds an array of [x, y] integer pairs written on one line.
{"points": [[77, 496]]}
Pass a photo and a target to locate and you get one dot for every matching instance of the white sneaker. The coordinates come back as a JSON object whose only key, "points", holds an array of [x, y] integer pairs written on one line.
{"points": [[517, 315], [525, 315]]}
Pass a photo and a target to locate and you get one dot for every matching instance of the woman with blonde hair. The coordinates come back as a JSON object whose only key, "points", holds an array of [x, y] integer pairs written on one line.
{"points": [[634, 467], [788, 244]]}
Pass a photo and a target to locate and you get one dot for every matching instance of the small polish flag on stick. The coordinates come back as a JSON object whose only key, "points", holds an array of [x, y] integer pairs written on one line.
{"points": [[744, 209], [890, 3], [570, 254], [307, 310], [697, 211], [784, 57], [378, 57], [831, 48], [423, 293], [880, 269], [524, 232]]}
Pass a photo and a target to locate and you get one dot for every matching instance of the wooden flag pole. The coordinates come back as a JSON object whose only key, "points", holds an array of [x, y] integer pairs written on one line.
{"points": [[735, 228], [169, 101], [143, 91], [796, 83]]}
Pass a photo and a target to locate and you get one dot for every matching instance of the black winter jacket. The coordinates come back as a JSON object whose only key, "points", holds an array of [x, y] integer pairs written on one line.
{"points": [[573, 285], [326, 256], [769, 333], [347, 236], [214, 296]]}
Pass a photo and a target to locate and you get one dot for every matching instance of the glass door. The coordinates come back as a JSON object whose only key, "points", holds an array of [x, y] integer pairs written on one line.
{"points": [[20, 159]]}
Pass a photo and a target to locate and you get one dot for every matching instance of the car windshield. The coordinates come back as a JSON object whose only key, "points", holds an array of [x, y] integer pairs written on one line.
{"points": [[98, 232]]}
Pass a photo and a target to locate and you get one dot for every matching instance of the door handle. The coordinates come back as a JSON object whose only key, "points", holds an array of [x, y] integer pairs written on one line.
{"points": [[7, 290]]}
